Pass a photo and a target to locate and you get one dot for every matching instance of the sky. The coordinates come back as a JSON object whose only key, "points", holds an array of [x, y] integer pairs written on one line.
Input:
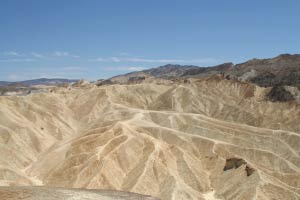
{"points": [[96, 39]]}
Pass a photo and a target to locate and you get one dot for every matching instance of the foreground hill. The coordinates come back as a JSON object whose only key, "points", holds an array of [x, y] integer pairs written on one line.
{"points": [[207, 138]]}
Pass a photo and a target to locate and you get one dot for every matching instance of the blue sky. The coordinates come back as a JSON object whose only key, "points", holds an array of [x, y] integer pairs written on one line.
{"points": [[100, 38]]}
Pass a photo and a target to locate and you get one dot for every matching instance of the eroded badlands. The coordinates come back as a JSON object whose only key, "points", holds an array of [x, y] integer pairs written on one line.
{"points": [[207, 139]]}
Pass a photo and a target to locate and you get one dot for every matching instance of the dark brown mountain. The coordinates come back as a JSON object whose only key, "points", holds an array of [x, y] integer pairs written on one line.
{"points": [[207, 71], [281, 70]]}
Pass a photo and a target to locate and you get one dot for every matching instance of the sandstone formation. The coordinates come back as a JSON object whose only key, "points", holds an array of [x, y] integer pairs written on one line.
{"points": [[208, 138]]}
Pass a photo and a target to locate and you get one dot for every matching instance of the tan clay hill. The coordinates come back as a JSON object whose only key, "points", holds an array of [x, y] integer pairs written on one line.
{"points": [[206, 139]]}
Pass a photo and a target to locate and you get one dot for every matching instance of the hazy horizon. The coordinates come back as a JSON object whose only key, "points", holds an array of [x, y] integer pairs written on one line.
{"points": [[131, 70]]}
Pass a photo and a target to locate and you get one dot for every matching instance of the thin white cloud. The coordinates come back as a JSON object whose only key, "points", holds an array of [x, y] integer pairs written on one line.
{"points": [[13, 53], [115, 59], [64, 54], [17, 60], [72, 68], [154, 60], [135, 68], [123, 68], [37, 55], [145, 60], [99, 59], [40, 55], [124, 54], [13, 77]]}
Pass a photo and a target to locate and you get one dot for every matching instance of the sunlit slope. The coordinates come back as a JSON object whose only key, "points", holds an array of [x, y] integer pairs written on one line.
{"points": [[204, 139]]}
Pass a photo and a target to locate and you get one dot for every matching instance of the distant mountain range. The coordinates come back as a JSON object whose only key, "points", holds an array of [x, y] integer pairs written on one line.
{"points": [[281, 70], [41, 81], [4, 83]]}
